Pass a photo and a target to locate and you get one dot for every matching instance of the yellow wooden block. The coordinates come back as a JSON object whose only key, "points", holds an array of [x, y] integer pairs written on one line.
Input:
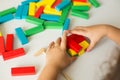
{"points": [[72, 52], [32, 8], [41, 3], [49, 2], [0, 34], [81, 4], [49, 10], [81, 52], [84, 44]]}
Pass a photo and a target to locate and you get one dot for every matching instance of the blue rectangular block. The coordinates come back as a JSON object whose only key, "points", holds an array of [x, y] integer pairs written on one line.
{"points": [[28, 1], [6, 18], [62, 5], [25, 11], [19, 11], [66, 24], [23, 39], [49, 17]]}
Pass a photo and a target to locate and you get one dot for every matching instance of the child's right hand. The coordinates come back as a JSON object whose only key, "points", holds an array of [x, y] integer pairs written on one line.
{"points": [[94, 33]]}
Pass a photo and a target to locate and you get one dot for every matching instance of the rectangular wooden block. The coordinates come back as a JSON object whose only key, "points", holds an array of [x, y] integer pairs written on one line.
{"points": [[13, 53], [52, 11], [25, 11], [22, 71], [2, 45], [9, 42], [53, 25], [6, 18], [32, 8], [34, 30], [81, 4], [79, 0], [49, 17], [84, 44], [95, 3], [8, 11], [66, 24], [23, 39], [39, 12], [81, 8], [19, 12], [81, 52], [72, 52], [34, 20]]}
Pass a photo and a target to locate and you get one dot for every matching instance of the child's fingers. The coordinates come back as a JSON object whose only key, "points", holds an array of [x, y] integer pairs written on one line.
{"points": [[79, 27], [63, 41], [91, 46], [51, 45], [58, 42], [72, 59]]}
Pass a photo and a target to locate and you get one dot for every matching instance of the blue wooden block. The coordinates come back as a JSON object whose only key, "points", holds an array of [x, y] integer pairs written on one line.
{"points": [[19, 11], [66, 24], [23, 39], [25, 11], [6, 18], [33, 0], [28, 1], [62, 5], [49, 17]]}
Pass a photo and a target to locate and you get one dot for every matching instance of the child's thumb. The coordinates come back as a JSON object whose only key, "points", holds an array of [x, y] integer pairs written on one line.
{"points": [[91, 46]]}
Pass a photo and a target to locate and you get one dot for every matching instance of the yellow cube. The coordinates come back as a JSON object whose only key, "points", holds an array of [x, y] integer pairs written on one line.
{"points": [[84, 44], [72, 52]]}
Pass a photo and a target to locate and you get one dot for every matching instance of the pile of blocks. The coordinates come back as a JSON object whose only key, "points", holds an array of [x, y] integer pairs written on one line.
{"points": [[45, 14], [76, 45]]}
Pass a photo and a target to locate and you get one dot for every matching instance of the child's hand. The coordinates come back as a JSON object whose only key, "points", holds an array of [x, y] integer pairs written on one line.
{"points": [[94, 33], [56, 53]]}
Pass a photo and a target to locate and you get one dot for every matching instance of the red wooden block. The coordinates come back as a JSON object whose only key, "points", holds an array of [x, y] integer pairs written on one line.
{"points": [[21, 71], [79, 0], [77, 38], [9, 42], [72, 44], [56, 3], [39, 11], [13, 53], [2, 45]]}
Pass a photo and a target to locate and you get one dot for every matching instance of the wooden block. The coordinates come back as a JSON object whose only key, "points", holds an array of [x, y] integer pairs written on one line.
{"points": [[84, 44], [34, 30], [95, 3], [72, 52], [23, 39], [81, 52], [52, 11], [6, 18], [56, 3], [50, 17], [0, 34], [39, 12], [19, 12], [8, 11], [81, 8], [66, 25], [79, 0], [72, 44], [9, 42], [62, 5], [13, 53], [53, 25], [32, 9], [2, 45], [40, 52], [41, 3], [34, 20], [25, 11], [81, 4], [22, 71]]}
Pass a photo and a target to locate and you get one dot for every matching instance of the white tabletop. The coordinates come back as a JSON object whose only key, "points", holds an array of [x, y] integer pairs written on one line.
{"points": [[87, 67]]}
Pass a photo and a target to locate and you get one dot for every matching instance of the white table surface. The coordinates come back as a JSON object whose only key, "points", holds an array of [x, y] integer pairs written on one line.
{"points": [[86, 67]]}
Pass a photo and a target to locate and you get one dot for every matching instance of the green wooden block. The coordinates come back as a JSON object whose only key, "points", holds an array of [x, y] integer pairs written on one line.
{"points": [[53, 25], [33, 20], [80, 14], [34, 30], [81, 8], [8, 11], [95, 3]]}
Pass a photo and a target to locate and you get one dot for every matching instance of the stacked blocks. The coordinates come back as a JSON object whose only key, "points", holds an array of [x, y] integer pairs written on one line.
{"points": [[2, 44], [76, 45], [22, 71]]}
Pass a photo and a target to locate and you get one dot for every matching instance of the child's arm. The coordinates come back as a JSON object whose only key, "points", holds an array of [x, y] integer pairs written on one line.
{"points": [[96, 32], [56, 59]]}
